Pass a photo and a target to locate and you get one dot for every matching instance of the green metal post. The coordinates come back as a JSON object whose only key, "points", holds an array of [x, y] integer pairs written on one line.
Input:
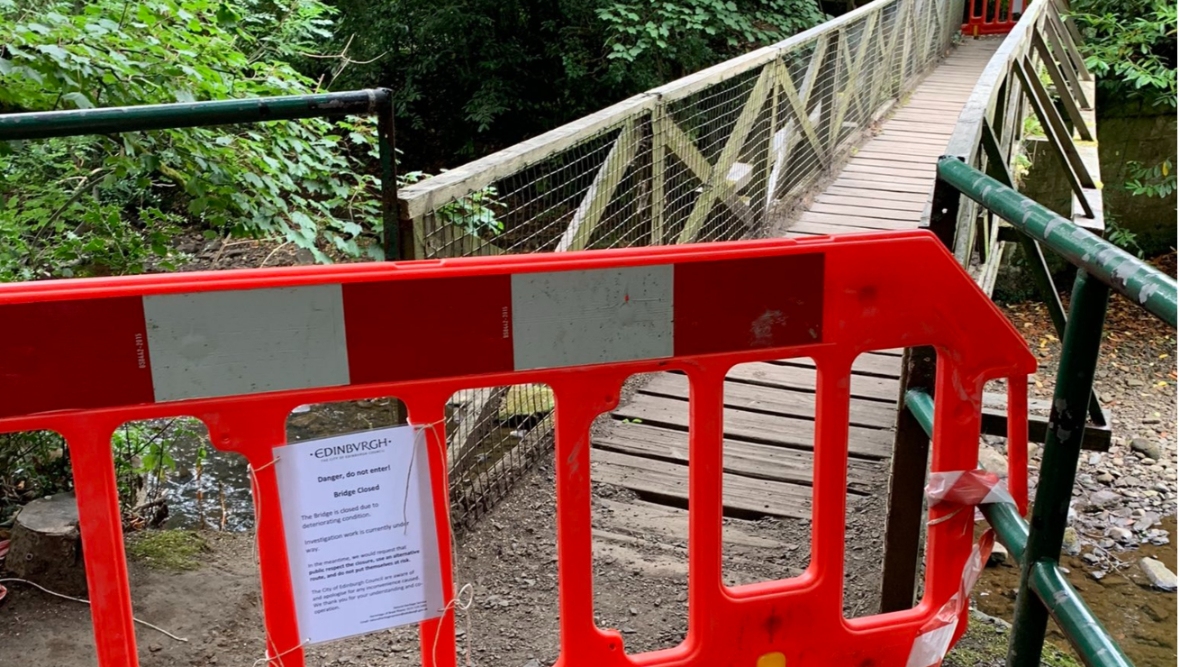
{"points": [[1063, 444], [1126, 274], [1011, 529], [1084, 631], [386, 141]]}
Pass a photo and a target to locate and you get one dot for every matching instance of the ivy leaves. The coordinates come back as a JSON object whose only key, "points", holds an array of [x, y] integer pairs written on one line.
{"points": [[1131, 46], [305, 181], [693, 32]]}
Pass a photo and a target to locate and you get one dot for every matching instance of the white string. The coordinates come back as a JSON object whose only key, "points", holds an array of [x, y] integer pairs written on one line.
{"points": [[279, 657], [455, 603], [87, 602]]}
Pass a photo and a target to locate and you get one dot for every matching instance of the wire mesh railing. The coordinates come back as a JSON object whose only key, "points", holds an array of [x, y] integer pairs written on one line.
{"points": [[713, 156]]}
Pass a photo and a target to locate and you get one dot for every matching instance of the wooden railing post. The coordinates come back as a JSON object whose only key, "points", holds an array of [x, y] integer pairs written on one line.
{"points": [[659, 155], [911, 446]]}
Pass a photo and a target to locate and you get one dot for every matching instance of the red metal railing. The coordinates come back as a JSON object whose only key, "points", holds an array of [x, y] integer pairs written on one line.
{"points": [[992, 17]]}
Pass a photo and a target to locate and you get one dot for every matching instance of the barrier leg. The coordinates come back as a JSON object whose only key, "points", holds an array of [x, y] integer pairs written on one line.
{"points": [[102, 541], [282, 629], [833, 395], [437, 636], [705, 455], [254, 431]]}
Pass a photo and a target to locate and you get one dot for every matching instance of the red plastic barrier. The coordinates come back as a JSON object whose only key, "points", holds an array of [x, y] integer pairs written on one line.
{"points": [[84, 356], [994, 17]]}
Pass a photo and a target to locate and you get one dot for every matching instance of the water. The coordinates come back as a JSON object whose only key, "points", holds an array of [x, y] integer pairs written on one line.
{"points": [[219, 497]]}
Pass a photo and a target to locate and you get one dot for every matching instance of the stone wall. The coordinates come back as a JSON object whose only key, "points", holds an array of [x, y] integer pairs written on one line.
{"points": [[1126, 132]]}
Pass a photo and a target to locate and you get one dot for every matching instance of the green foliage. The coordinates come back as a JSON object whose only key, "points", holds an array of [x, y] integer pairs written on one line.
{"points": [[472, 76], [1123, 237], [143, 456], [32, 464], [107, 204], [689, 33], [1032, 127], [1131, 46], [1158, 181], [475, 213]]}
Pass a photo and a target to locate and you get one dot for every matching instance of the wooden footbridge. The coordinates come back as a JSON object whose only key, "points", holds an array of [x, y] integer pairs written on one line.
{"points": [[834, 131]]}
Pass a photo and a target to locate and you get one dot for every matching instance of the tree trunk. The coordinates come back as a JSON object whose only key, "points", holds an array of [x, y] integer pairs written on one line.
{"points": [[47, 547]]}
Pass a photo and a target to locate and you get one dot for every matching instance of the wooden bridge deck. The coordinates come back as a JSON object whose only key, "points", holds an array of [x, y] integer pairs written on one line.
{"points": [[770, 407]]}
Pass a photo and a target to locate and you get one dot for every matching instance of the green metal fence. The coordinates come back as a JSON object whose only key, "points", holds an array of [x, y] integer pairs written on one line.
{"points": [[1036, 545]]}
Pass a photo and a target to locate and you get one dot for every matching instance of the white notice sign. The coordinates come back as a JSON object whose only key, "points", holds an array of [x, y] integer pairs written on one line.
{"points": [[360, 531]]}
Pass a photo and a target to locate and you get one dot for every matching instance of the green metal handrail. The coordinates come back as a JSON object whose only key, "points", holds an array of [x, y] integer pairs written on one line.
{"points": [[113, 120], [1121, 271], [1036, 545]]}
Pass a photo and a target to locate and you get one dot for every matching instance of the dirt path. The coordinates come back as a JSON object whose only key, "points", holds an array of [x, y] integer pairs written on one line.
{"points": [[510, 559]]}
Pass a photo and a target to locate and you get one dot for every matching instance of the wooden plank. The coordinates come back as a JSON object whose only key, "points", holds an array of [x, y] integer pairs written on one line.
{"points": [[894, 151], [874, 224], [799, 107], [754, 398], [923, 126], [665, 481], [452, 241], [1072, 101], [861, 211], [921, 168], [903, 183], [1064, 30], [602, 188], [659, 156], [705, 78], [882, 183], [851, 77], [474, 420], [917, 198], [1046, 113], [883, 153], [915, 137], [922, 116], [875, 363], [1061, 54], [867, 200], [893, 143], [803, 379], [824, 229], [678, 142], [911, 174], [747, 459], [794, 433]]}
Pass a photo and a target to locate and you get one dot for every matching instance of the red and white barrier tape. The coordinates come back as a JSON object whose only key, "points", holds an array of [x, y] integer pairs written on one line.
{"points": [[961, 488], [966, 488]]}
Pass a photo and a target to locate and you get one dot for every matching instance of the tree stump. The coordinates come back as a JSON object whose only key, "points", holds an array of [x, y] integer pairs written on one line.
{"points": [[46, 545]]}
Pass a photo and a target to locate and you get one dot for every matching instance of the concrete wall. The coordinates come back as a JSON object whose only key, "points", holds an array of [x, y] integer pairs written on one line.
{"points": [[1129, 132]]}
